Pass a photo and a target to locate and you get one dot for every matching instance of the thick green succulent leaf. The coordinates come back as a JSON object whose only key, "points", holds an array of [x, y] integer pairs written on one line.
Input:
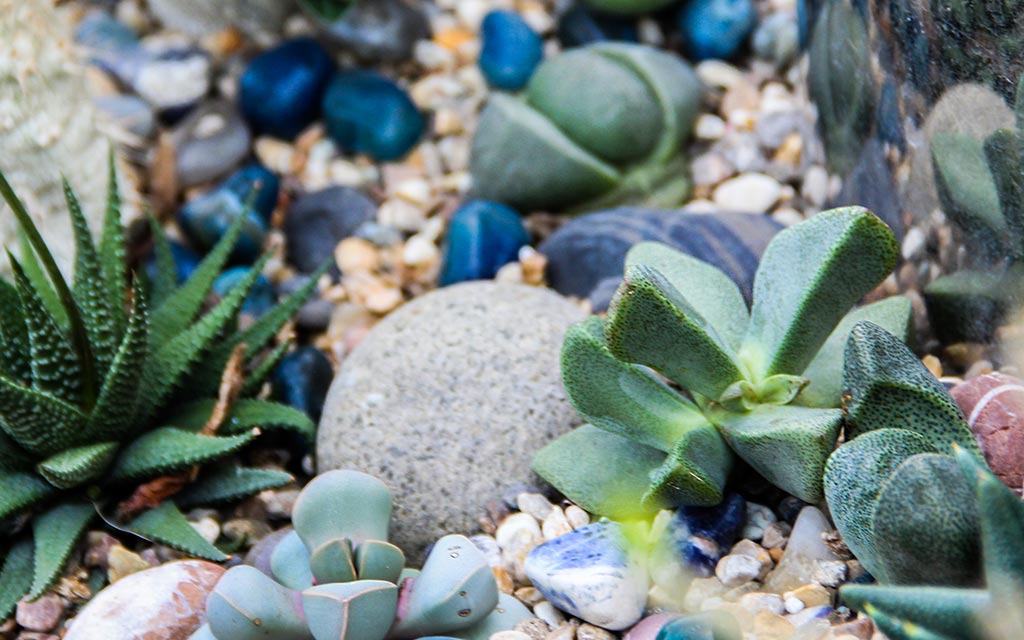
{"points": [[15, 577], [73, 467], [925, 524], [965, 186], [622, 398], [810, 276], [247, 414], [694, 472], [342, 504], [168, 450], [896, 629], [362, 609], [889, 387], [12, 457], [112, 253], [166, 525], [708, 290], [256, 378], [246, 603], [165, 282], [379, 560], [969, 305], [652, 324], [1004, 151], [786, 444], [55, 533], [953, 611], [19, 491], [229, 482], [854, 476], [825, 372], [38, 422], [35, 273], [15, 362], [600, 471]]}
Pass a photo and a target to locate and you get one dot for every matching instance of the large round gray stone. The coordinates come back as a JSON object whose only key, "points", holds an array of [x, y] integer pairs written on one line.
{"points": [[446, 401]]}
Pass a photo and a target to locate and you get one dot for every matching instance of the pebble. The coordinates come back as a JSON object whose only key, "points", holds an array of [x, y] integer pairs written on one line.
{"points": [[365, 112], [511, 50], [206, 218], [509, 635], [590, 632], [650, 627], [208, 528], [776, 535], [261, 297], [699, 536], [43, 614], [709, 127], [702, 590], [482, 237], [534, 504], [806, 554], [994, 407], [709, 169], [121, 563], [547, 612], [172, 78], [808, 595], [777, 39], [581, 26], [247, 531], [535, 628], [758, 602], [759, 518], [301, 380], [517, 531], [735, 570], [555, 525], [716, 28], [577, 517], [129, 114], [318, 221], [376, 30], [278, 503], [209, 143], [749, 192], [815, 185]]}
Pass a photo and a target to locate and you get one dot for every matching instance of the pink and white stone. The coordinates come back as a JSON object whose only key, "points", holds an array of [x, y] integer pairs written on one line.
{"points": [[994, 406]]}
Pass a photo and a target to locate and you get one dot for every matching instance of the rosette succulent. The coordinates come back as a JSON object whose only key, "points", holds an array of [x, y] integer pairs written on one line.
{"points": [[106, 384], [335, 576], [763, 384], [597, 126]]}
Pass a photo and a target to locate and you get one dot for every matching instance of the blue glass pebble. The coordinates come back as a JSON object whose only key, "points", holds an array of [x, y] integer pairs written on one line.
{"points": [[185, 262], [716, 28], [301, 380], [281, 90], [258, 182], [580, 26], [511, 50], [368, 113], [482, 237], [702, 535], [261, 297]]}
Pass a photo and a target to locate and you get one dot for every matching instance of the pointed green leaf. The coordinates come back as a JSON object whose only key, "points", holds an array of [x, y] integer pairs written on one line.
{"points": [[15, 362], [619, 397], [166, 525], [168, 450], [965, 186], [229, 482], [112, 253], [896, 629], [650, 323], [56, 532], [788, 445], [15, 577], [954, 611], [826, 370], [603, 473], [246, 414], [165, 282], [19, 491], [694, 472], [38, 422], [810, 276], [1004, 151], [255, 379], [73, 467], [35, 274], [889, 387], [12, 457]]}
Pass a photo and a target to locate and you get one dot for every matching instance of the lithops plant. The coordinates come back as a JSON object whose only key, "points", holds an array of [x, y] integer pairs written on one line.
{"points": [[336, 577], [764, 384], [895, 490], [994, 612], [596, 127], [106, 385]]}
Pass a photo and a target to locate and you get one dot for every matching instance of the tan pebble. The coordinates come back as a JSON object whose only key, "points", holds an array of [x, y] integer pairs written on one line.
{"points": [[42, 614], [753, 550], [505, 582], [771, 626], [702, 589], [415, 191], [511, 273], [860, 628], [933, 364], [979, 368], [529, 595], [534, 504], [776, 535], [758, 601], [121, 562], [356, 255], [790, 150], [275, 154], [402, 215], [454, 37], [432, 56], [564, 631], [420, 252], [734, 594], [590, 632], [534, 265], [517, 527], [448, 121], [742, 96], [509, 635], [536, 628], [548, 613], [555, 525], [716, 73], [577, 517], [811, 595], [382, 298]]}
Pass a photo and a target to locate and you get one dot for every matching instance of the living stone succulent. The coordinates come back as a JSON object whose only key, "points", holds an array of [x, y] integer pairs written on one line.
{"points": [[895, 490], [336, 577], [108, 384], [597, 126], [764, 384]]}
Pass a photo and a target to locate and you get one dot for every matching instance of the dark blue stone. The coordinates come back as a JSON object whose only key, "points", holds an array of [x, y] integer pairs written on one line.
{"points": [[374, 30], [716, 28], [890, 120], [803, 23], [871, 184], [702, 535], [367, 113], [482, 237], [281, 90], [511, 50], [185, 262], [261, 297], [207, 218], [580, 26], [258, 183], [318, 221], [301, 380]]}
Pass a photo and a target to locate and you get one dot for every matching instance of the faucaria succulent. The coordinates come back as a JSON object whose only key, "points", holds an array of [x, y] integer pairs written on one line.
{"points": [[596, 127], [336, 577], [764, 384], [106, 385]]}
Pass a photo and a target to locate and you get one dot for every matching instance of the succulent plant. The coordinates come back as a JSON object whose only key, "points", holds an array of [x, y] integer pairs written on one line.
{"points": [[629, 7], [981, 186], [763, 384], [335, 576], [372, 29], [895, 490], [106, 384], [596, 126], [993, 612]]}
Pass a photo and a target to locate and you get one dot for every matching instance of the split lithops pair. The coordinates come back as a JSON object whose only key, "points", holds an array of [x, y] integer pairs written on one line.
{"points": [[336, 577], [106, 385], [764, 384], [981, 185], [596, 127]]}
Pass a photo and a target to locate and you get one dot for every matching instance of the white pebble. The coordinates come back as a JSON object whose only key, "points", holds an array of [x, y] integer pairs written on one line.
{"points": [[709, 127], [759, 601], [914, 244], [758, 519], [432, 56], [577, 517], [548, 613], [534, 504], [829, 573], [749, 192], [735, 570], [420, 251], [815, 186], [208, 528], [794, 604], [710, 169], [515, 528], [509, 635], [555, 525], [401, 214], [716, 73]]}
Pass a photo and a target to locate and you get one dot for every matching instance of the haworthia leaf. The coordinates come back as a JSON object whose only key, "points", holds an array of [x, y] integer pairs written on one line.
{"points": [[245, 415], [15, 577], [843, 254], [112, 253], [21, 490], [73, 467], [803, 437], [36, 275], [712, 294], [826, 370], [167, 525], [163, 285], [12, 457], [694, 472], [619, 397], [652, 324], [38, 422], [955, 611], [1004, 151], [229, 482], [255, 379], [167, 450], [889, 387], [603, 473], [15, 361], [55, 533]]}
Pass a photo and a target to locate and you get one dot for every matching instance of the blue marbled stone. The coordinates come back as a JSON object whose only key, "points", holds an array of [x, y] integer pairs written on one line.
{"points": [[715, 28], [511, 50], [261, 297], [301, 380], [482, 237], [702, 535], [185, 262], [367, 113], [281, 90], [257, 182], [318, 221], [580, 26]]}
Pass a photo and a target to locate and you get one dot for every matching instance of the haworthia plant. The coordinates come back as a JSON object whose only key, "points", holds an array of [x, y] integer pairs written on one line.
{"points": [[895, 491], [763, 385], [598, 126], [335, 577], [88, 373]]}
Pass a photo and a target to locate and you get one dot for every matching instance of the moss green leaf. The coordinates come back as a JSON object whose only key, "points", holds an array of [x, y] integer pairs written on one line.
{"points": [[165, 282], [12, 457], [953, 611], [55, 533], [39, 422], [112, 253], [694, 472], [15, 362], [229, 482], [73, 467], [15, 577], [19, 491], [965, 186], [1004, 152], [166, 525], [167, 450], [246, 414]]}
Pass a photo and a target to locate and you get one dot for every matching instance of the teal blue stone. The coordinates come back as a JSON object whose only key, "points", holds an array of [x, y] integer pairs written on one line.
{"points": [[482, 237], [367, 113], [716, 28], [581, 26], [511, 50], [185, 262], [261, 297], [702, 626]]}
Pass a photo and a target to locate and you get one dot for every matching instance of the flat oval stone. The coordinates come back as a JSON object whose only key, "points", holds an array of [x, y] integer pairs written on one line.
{"points": [[375, 30], [994, 407], [302, 378], [367, 113], [210, 142], [447, 399], [318, 221], [163, 603], [482, 237], [261, 297], [716, 28], [511, 50]]}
